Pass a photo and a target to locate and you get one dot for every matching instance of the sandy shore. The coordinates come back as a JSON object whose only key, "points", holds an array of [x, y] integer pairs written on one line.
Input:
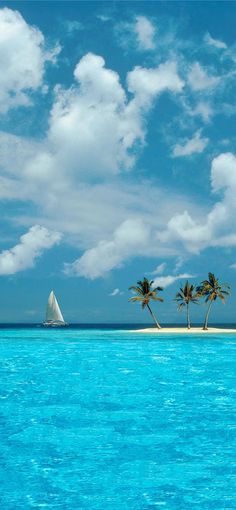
{"points": [[199, 331]]}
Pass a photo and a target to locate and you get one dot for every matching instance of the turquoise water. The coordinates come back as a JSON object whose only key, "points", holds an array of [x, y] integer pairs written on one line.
{"points": [[110, 420]]}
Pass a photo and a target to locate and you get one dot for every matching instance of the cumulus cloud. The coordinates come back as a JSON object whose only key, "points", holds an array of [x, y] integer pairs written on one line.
{"points": [[166, 281], [219, 227], [134, 237], [145, 32], [128, 239], [94, 135], [192, 146], [223, 173], [147, 83], [182, 227], [86, 212], [91, 128], [73, 175], [220, 45], [22, 57], [15, 152], [31, 246], [94, 130], [198, 78]]}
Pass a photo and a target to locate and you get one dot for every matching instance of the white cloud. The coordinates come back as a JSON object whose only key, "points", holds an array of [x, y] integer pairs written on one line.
{"points": [[116, 292], [31, 246], [182, 227], [94, 135], [192, 146], [145, 31], [134, 237], [22, 57], [215, 42], [147, 83], [203, 110], [159, 269], [97, 82], [86, 212], [15, 152], [93, 127], [198, 78], [179, 263], [138, 34], [218, 229], [128, 239], [72, 26], [166, 281], [223, 173], [104, 18], [73, 176], [96, 129]]}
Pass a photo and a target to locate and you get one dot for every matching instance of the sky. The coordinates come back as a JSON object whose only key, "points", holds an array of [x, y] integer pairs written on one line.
{"points": [[117, 156]]}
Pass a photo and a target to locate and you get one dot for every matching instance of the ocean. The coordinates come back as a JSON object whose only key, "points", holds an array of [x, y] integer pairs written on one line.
{"points": [[107, 419]]}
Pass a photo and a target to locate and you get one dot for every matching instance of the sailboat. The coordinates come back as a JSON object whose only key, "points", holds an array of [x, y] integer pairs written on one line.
{"points": [[54, 317]]}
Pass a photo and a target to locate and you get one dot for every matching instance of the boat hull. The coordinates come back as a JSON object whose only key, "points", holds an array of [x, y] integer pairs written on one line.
{"points": [[54, 324]]}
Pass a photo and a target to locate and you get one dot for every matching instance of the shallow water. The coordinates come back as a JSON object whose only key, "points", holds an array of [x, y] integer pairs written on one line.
{"points": [[111, 420]]}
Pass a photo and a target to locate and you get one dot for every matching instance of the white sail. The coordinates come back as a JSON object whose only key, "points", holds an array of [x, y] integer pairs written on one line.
{"points": [[53, 312]]}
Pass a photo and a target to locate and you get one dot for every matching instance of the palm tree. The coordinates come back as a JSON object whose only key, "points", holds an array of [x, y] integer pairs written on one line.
{"points": [[184, 297], [212, 290], [145, 292]]}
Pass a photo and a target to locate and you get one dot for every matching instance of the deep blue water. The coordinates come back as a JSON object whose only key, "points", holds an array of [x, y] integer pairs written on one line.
{"points": [[113, 420]]}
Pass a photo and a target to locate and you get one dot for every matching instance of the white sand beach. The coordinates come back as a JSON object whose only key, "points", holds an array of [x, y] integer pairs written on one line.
{"points": [[186, 331]]}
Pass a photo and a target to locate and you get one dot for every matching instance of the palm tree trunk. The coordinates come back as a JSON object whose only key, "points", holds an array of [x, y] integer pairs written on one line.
{"points": [[154, 318], [188, 317], [205, 327]]}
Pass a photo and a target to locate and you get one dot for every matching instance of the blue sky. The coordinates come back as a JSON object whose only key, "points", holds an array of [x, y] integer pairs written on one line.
{"points": [[117, 155]]}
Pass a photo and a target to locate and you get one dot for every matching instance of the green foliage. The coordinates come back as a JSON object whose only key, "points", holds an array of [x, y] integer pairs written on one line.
{"points": [[145, 292], [211, 289], [186, 295]]}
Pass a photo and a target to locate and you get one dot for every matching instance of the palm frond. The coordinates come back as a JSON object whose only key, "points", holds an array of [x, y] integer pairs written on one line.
{"points": [[225, 292], [211, 289], [186, 294], [157, 289], [156, 298], [145, 292], [179, 295], [135, 289], [212, 279], [136, 298]]}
